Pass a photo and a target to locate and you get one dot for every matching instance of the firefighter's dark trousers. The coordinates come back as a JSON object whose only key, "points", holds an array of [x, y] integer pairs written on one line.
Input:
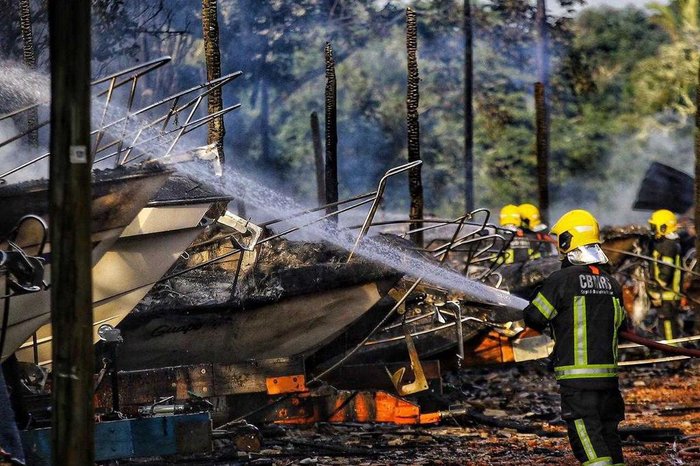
{"points": [[592, 417], [669, 327]]}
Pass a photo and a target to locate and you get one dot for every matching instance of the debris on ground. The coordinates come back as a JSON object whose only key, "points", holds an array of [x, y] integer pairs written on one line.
{"points": [[511, 417]]}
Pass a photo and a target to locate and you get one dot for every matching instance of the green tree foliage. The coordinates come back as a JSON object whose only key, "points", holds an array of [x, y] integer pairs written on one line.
{"points": [[610, 68], [667, 81]]}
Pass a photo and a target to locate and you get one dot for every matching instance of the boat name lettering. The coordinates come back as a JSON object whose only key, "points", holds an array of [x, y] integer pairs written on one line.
{"points": [[165, 329]]}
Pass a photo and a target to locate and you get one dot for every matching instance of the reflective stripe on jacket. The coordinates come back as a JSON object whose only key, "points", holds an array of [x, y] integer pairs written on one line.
{"points": [[582, 304], [667, 279]]}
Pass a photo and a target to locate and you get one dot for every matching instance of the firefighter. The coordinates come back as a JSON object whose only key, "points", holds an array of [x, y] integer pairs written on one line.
{"points": [[582, 303], [541, 244], [518, 250], [665, 288]]}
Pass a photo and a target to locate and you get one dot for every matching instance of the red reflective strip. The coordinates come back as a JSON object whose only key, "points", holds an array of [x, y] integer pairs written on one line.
{"points": [[594, 269]]}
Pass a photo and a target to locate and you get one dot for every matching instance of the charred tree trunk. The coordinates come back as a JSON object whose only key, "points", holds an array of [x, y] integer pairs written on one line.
{"points": [[25, 21], [415, 185], [542, 110], [542, 47], [542, 144], [331, 133], [468, 109], [318, 158], [697, 175], [265, 146], [216, 129], [72, 434], [210, 33]]}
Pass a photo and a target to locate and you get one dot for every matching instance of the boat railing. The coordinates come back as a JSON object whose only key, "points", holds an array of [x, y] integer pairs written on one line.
{"points": [[153, 130]]}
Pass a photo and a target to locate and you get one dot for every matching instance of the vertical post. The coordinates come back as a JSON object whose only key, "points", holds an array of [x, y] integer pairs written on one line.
{"points": [[542, 110], [25, 21], [212, 54], [71, 281], [265, 146], [468, 109], [542, 49], [331, 133], [697, 172], [318, 158], [415, 185], [542, 145]]}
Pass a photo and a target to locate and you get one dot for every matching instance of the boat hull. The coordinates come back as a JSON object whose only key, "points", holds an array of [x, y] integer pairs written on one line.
{"points": [[121, 279], [291, 327], [127, 195]]}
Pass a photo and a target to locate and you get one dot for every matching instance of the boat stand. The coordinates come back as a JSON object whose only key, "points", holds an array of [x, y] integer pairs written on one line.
{"points": [[276, 386]]}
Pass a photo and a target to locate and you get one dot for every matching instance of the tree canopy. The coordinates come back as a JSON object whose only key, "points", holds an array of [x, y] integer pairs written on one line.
{"points": [[622, 88]]}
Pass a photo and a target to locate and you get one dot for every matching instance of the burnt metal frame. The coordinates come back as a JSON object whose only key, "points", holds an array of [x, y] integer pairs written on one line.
{"points": [[120, 79]]}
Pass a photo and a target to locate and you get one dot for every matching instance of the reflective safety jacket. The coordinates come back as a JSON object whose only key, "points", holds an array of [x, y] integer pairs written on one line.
{"points": [[519, 248], [667, 280], [583, 306]]}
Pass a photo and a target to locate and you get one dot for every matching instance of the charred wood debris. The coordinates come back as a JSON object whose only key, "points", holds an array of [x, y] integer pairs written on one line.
{"points": [[498, 415]]}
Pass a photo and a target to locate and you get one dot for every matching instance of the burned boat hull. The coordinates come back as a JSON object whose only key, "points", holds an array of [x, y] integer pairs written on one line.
{"points": [[145, 251], [292, 327], [118, 196], [315, 305]]}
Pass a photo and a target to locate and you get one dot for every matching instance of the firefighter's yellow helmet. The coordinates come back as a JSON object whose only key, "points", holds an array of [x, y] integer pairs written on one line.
{"points": [[510, 215], [530, 216], [576, 228], [663, 222]]}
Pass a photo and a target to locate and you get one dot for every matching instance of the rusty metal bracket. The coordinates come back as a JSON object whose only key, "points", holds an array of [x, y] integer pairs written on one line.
{"points": [[420, 383]]}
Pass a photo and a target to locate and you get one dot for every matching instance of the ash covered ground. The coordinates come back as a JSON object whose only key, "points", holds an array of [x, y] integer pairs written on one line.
{"points": [[513, 419]]}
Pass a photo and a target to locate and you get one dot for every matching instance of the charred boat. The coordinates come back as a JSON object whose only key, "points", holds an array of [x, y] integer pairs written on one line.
{"points": [[292, 301], [118, 195], [146, 249]]}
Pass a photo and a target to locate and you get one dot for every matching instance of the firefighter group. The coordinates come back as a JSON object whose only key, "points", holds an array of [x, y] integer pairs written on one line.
{"points": [[582, 306]]}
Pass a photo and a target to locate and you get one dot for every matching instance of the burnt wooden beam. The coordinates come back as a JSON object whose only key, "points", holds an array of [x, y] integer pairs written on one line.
{"points": [[542, 149], [29, 55], [542, 109], [697, 168], [415, 184], [70, 194], [212, 54], [318, 159], [331, 181], [542, 46], [468, 108]]}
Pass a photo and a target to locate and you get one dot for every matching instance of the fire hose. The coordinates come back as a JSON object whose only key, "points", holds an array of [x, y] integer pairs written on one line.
{"points": [[633, 337]]}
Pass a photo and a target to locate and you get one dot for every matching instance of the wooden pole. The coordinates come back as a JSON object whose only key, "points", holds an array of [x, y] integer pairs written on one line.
{"points": [[212, 54], [331, 133], [542, 144], [71, 281], [542, 47], [415, 185], [468, 109], [542, 110], [697, 172], [318, 158], [25, 21]]}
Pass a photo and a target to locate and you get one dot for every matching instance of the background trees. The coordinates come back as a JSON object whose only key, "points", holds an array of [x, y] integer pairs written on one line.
{"points": [[622, 87]]}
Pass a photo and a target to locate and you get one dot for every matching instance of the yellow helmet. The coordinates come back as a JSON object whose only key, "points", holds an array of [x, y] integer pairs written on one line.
{"points": [[576, 228], [510, 215], [663, 222], [530, 216]]}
